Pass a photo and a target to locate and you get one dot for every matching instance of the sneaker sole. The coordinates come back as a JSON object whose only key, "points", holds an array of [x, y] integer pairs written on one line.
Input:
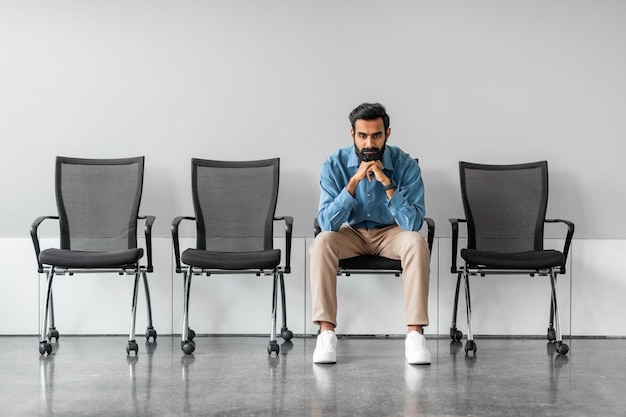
{"points": [[419, 363], [325, 359], [423, 360]]}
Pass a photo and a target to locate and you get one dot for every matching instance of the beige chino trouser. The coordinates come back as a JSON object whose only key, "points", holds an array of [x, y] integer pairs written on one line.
{"points": [[392, 242]]}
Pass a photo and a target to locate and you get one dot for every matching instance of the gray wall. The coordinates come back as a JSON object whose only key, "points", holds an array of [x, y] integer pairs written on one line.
{"points": [[482, 81]]}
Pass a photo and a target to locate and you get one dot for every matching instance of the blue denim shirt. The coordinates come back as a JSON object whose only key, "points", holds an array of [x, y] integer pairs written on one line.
{"points": [[370, 208]]}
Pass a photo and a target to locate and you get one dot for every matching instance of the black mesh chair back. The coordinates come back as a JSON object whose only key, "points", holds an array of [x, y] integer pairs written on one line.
{"points": [[505, 206], [234, 204], [107, 190], [98, 212], [505, 213]]}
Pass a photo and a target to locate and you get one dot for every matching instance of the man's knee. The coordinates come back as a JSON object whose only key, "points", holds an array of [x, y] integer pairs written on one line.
{"points": [[414, 242], [322, 242]]}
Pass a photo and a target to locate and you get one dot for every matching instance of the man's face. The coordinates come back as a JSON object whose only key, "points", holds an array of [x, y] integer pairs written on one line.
{"points": [[369, 138]]}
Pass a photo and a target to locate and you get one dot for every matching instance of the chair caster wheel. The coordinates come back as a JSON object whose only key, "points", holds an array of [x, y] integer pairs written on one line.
{"points": [[53, 334], [132, 346], [455, 334], [151, 333], [551, 335], [561, 348], [470, 345], [45, 347], [273, 347], [191, 334], [188, 346], [286, 334]]}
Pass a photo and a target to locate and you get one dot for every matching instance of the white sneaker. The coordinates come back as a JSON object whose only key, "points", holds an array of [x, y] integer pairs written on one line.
{"points": [[415, 350], [325, 348]]}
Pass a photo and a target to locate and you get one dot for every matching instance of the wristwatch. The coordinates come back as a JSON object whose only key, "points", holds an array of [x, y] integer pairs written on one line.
{"points": [[391, 185]]}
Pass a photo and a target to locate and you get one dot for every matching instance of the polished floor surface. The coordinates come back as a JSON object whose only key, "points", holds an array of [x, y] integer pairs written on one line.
{"points": [[233, 376]]}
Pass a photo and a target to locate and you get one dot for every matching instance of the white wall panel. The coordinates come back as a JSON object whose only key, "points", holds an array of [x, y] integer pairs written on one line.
{"points": [[590, 297], [501, 304], [101, 303], [599, 288], [18, 287], [240, 303]]}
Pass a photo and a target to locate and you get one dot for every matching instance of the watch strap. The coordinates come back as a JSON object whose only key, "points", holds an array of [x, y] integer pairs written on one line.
{"points": [[391, 185]]}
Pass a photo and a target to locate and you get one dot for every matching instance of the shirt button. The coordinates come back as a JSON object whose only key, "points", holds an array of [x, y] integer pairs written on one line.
{"points": [[368, 215]]}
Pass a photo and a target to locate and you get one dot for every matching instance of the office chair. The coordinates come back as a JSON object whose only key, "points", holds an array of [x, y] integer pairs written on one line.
{"points": [[372, 264], [375, 264], [98, 211], [234, 205], [505, 213]]}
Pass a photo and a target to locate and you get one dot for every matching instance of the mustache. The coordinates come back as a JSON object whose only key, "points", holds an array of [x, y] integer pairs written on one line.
{"points": [[370, 150]]}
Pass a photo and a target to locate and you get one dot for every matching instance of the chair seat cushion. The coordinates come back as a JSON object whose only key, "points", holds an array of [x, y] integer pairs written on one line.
{"points": [[370, 262], [266, 259], [519, 260], [90, 259]]}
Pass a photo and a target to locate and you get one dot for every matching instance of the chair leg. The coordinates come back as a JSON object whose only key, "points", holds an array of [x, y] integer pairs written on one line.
{"points": [[132, 344], [150, 332], [455, 334], [53, 333], [44, 346], [273, 345], [560, 347], [187, 344], [551, 335], [285, 333], [469, 345]]}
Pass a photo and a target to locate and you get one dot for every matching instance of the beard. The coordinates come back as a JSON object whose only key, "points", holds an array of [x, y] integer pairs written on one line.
{"points": [[369, 154]]}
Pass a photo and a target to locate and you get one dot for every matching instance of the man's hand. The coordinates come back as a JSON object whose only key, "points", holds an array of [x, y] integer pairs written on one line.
{"points": [[369, 170]]}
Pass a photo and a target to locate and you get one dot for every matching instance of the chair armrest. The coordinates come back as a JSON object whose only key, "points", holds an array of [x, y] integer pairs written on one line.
{"points": [[288, 232], [316, 227], [148, 233], [33, 235], [431, 232], [175, 240], [568, 239], [455, 242]]}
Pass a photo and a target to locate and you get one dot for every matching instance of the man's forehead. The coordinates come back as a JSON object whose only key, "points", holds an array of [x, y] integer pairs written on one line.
{"points": [[362, 125]]}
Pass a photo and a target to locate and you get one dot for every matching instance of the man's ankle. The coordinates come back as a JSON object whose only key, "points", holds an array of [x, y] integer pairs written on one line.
{"points": [[416, 328], [324, 325]]}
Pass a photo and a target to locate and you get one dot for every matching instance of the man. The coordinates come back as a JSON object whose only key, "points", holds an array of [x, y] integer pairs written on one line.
{"points": [[371, 202]]}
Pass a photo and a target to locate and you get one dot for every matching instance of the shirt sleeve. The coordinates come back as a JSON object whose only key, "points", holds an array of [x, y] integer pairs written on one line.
{"points": [[336, 203], [407, 203]]}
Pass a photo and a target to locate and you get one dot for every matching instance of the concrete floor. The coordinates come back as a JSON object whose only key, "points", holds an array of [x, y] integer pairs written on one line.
{"points": [[234, 376]]}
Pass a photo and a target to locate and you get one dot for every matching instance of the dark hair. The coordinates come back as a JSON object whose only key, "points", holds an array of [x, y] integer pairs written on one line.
{"points": [[369, 111]]}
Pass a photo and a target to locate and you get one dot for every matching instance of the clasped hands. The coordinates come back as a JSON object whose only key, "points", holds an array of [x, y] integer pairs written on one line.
{"points": [[368, 170], [372, 169]]}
